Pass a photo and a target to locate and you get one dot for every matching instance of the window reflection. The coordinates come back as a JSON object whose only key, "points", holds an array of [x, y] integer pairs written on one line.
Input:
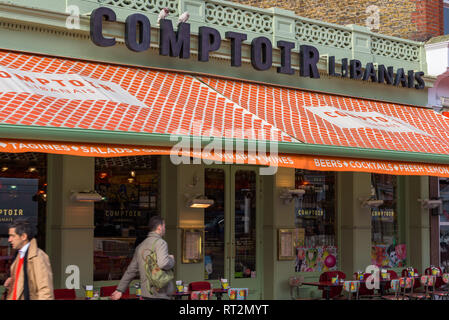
{"points": [[130, 188], [214, 222], [245, 224], [384, 221], [315, 221]]}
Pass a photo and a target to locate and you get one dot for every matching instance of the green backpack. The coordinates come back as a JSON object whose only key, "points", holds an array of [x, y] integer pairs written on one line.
{"points": [[157, 277]]}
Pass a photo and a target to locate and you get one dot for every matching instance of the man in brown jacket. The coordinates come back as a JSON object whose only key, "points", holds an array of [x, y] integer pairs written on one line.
{"points": [[31, 276], [137, 266]]}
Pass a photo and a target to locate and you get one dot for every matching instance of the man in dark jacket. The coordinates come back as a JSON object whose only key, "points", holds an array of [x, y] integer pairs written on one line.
{"points": [[165, 261]]}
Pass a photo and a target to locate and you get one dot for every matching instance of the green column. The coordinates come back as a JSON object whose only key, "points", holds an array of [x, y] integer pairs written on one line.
{"points": [[354, 222], [277, 215], [70, 224]]}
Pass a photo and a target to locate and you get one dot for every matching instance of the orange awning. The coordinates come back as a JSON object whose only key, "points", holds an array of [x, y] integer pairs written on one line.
{"points": [[288, 160], [50, 92]]}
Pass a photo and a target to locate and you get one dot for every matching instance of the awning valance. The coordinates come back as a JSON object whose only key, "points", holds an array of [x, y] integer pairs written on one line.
{"points": [[56, 93], [310, 162]]}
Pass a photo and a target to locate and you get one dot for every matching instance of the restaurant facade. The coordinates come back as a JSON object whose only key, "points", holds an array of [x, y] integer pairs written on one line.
{"points": [[313, 140]]}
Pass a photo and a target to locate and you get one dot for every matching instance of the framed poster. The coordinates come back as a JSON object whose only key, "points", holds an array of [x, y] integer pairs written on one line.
{"points": [[286, 244], [192, 245]]}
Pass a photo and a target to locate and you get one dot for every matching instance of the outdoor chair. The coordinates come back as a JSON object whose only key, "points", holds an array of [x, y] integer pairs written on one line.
{"points": [[428, 282], [364, 292], [64, 294], [395, 288], [443, 294], [352, 289], [417, 284], [201, 295], [108, 290], [327, 277], [439, 281], [199, 286]]}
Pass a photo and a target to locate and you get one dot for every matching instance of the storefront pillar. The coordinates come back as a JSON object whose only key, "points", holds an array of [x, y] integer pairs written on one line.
{"points": [[70, 225], [417, 222], [277, 215], [354, 222]]}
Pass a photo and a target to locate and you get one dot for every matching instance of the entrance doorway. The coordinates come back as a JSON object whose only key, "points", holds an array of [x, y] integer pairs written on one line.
{"points": [[233, 228]]}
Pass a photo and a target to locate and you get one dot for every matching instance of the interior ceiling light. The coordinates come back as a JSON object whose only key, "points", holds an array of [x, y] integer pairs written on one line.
{"points": [[201, 202]]}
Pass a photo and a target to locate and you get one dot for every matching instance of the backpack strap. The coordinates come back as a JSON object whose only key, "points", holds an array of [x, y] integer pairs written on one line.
{"points": [[154, 244]]}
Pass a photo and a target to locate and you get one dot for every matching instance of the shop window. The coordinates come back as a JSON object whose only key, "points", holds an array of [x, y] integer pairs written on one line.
{"points": [[23, 194], [444, 224], [130, 189], [386, 250], [315, 221], [214, 222], [245, 224]]}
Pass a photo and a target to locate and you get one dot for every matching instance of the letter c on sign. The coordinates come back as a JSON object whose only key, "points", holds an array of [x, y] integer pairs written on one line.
{"points": [[96, 26]]}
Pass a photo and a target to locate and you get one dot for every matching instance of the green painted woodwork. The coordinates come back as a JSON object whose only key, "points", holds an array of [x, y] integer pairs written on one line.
{"points": [[154, 139]]}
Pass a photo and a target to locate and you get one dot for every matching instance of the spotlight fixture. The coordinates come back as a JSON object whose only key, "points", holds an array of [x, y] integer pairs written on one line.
{"points": [[32, 167]]}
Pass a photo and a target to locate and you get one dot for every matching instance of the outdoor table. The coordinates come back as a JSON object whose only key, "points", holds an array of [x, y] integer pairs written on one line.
{"points": [[327, 285], [130, 297], [217, 292]]}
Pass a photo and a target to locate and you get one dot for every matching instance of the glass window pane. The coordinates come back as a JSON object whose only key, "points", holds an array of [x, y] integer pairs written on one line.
{"points": [[444, 194], [214, 222], [130, 188], [444, 247], [245, 224], [384, 220], [23, 194], [315, 221]]}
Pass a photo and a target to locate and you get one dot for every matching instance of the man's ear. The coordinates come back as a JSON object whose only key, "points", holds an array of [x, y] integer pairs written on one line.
{"points": [[24, 237]]}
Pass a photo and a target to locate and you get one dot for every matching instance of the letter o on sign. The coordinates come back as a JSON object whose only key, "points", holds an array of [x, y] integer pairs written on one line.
{"points": [[261, 53], [137, 22]]}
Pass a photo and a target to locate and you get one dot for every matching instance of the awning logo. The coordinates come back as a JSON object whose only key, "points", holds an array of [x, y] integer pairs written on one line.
{"points": [[363, 120]]}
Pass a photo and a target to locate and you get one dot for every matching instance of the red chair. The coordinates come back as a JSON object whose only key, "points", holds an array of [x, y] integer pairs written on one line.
{"points": [[107, 292], [364, 292], [417, 284], [327, 277], [439, 281], [64, 294], [393, 276], [199, 286]]}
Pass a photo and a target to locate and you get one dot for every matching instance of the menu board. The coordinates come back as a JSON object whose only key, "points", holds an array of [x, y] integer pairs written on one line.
{"points": [[192, 246], [286, 244]]}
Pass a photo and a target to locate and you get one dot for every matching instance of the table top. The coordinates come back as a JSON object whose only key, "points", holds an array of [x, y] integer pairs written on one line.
{"points": [[323, 284], [214, 291]]}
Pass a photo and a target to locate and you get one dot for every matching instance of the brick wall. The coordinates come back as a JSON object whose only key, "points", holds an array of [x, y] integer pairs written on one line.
{"points": [[411, 19]]}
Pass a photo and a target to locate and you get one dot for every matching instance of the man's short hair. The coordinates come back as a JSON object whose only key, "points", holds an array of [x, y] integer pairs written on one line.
{"points": [[22, 226], [155, 221]]}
